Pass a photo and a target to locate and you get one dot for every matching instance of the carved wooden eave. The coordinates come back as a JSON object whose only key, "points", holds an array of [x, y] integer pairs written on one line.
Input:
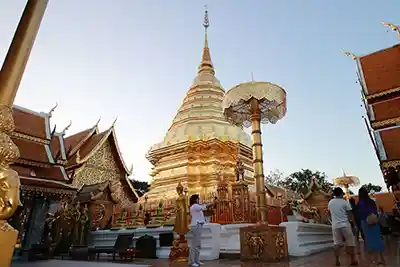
{"points": [[385, 123], [390, 163], [51, 186], [315, 187], [109, 133]]}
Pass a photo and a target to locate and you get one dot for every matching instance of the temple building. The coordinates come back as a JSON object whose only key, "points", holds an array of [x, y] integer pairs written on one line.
{"points": [[200, 147], [379, 77], [52, 167]]}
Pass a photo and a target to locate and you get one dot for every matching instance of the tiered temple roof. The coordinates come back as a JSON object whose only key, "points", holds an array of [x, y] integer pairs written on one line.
{"points": [[50, 162], [379, 77]]}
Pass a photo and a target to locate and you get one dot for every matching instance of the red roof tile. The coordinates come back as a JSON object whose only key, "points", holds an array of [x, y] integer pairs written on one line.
{"points": [[31, 151], [382, 69], [391, 143], [87, 147], [74, 140], [387, 109], [51, 173], [29, 123]]}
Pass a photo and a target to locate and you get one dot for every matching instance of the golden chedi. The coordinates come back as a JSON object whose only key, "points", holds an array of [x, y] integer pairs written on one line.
{"points": [[200, 142]]}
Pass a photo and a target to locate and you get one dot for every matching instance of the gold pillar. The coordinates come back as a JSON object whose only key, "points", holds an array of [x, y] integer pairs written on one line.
{"points": [[10, 78], [261, 203], [20, 49]]}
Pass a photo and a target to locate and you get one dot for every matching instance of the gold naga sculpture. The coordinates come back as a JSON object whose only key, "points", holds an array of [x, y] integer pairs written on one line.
{"points": [[394, 28], [180, 250]]}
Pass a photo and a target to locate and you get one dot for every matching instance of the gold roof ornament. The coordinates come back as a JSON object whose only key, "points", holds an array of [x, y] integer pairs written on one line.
{"points": [[206, 64], [394, 28], [66, 128], [52, 109], [351, 55]]}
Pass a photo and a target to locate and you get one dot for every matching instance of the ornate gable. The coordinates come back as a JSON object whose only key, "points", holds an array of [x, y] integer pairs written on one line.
{"points": [[101, 167]]}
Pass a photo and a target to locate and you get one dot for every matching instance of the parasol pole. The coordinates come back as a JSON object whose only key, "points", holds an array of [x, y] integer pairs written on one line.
{"points": [[258, 161]]}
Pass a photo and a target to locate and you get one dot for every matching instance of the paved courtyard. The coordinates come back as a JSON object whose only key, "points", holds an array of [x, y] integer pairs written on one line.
{"points": [[324, 259]]}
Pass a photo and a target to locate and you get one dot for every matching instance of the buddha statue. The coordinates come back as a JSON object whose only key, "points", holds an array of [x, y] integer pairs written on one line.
{"points": [[158, 219], [181, 225]]}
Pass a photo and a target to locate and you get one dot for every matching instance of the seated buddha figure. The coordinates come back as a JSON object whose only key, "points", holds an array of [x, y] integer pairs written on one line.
{"points": [[157, 219]]}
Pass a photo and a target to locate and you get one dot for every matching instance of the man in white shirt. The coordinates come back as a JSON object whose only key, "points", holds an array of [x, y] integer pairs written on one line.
{"points": [[341, 214], [196, 226]]}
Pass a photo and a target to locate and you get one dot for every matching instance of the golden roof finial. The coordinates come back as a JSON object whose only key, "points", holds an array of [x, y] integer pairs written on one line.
{"points": [[52, 110], [206, 64], [97, 123], [394, 28], [353, 57], [66, 128], [115, 121]]}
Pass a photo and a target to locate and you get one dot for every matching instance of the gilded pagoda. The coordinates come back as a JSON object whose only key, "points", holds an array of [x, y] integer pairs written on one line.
{"points": [[200, 147], [379, 77], [53, 167]]}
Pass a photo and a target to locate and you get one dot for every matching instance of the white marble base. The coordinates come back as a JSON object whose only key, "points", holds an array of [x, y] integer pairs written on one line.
{"points": [[210, 243], [230, 238], [307, 238]]}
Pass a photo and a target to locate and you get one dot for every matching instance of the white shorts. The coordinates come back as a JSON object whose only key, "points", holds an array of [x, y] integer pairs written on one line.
{"points": [[343, 236]]}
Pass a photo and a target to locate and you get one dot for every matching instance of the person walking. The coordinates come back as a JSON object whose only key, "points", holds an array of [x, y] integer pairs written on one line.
{"points": [[370, 224], [341, 215], [196, 226], [356, 225]]}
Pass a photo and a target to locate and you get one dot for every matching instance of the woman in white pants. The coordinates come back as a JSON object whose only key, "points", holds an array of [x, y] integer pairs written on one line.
{"points": [[196, 226]]}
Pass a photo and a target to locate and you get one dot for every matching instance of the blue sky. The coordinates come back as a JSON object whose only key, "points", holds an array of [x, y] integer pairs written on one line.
{"points": [[137, 59]]}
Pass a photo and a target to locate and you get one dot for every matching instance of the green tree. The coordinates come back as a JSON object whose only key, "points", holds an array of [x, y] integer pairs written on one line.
{"points": [[140, 187], [370, 187], [274, 177], [299, 181]]}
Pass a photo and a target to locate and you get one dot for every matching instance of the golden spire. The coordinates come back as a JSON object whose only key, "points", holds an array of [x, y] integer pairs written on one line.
{"points": [[206, 64]]}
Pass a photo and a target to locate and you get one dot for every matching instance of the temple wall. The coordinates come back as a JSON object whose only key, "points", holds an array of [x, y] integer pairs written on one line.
{"points": [[102, 167]]}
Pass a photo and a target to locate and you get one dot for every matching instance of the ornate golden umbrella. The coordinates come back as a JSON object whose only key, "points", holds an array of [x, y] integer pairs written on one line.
{"points": [[346, 181], [250, 104]]}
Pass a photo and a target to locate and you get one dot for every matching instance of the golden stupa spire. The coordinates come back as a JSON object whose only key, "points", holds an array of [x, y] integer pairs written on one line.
{"points": [[206, 63]]}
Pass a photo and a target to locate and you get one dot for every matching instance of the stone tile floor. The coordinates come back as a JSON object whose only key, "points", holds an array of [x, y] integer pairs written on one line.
{"points": [[323, 259]]}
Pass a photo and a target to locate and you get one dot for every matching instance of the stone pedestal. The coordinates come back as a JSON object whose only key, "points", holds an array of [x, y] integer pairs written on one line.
{"points": [[267, 243], [8, 240]]}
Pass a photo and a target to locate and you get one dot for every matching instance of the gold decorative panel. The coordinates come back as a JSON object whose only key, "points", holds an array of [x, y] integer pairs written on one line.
{"points": [[101, 167]]}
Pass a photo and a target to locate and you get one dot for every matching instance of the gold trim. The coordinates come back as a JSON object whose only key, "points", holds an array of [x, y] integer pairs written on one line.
{"points": [[111, 132], [389, 164], [383, 93], [30, 138], [48, 190], [31, 163], [391, 121]]}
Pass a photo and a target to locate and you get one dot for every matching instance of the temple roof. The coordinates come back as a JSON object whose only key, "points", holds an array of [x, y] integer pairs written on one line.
{"points": [[92, 142], [200, 116], [313, 187], [381, 71]]}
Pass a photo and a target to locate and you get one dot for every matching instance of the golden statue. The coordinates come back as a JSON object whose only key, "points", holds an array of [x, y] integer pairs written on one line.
{"points": [[180, 250], [84, 225], [181, 225], [76, 220]]}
